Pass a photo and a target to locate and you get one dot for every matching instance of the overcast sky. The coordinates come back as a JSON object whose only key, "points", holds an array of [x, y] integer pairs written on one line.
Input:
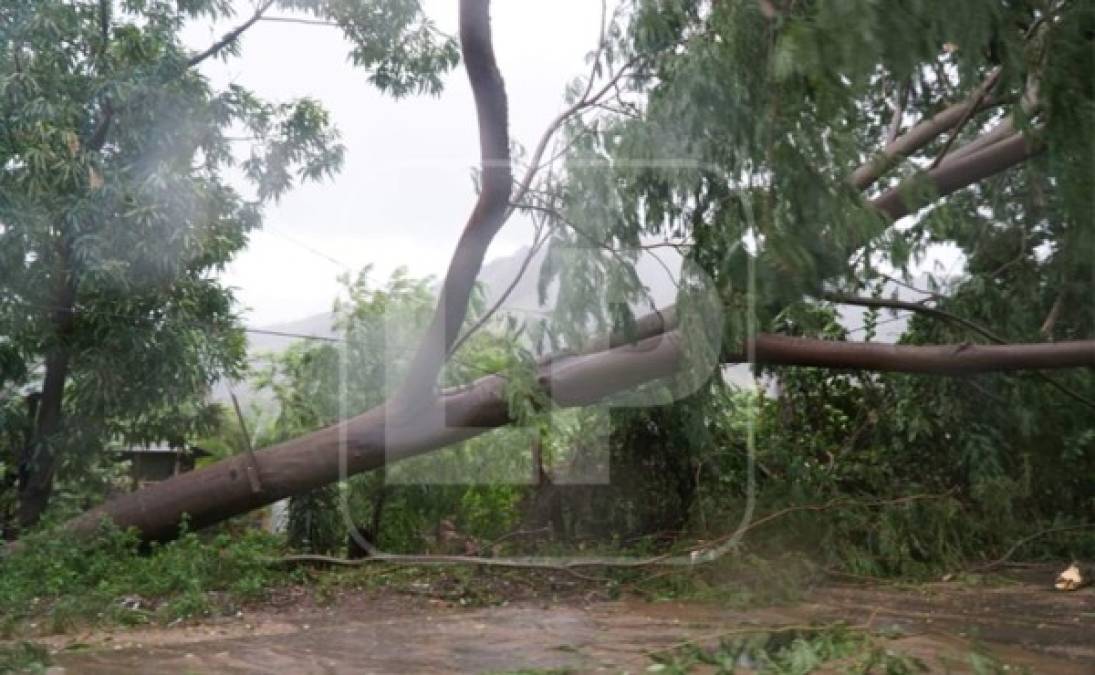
{"points": [[405, 190]]}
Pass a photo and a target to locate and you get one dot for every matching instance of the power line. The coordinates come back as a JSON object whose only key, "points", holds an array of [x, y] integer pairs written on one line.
{"points": [[280, 333], [100, 312], [307, 22], [308, 247], [901, 315]]}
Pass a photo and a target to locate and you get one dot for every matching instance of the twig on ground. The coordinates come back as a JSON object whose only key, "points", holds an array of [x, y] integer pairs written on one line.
{"points": [[571, 565], [1022, 542], [753, 630], [833, 503]]}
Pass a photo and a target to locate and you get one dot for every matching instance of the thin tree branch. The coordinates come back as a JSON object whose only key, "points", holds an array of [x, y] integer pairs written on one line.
{"points": [[1051, 319], [666, 559], [932, 295], [560, 119], [900, 100], [230, 36], [301, 21], [537, 243], [884, 303], [975, 101], [1026, 540], [253, 474]]}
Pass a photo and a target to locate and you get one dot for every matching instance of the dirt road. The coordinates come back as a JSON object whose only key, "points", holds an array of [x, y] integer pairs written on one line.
{"points": [[1023, 625]]}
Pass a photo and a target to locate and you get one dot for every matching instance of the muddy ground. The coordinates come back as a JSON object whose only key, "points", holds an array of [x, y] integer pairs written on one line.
{"points": [[1022, 623]]}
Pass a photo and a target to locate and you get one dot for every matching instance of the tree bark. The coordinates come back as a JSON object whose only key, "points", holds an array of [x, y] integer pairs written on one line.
{"points": [[953, 175], [38, 465]]}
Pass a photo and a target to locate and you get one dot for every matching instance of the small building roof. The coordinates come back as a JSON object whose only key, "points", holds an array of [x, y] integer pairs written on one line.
{"points": [[152, 449]]}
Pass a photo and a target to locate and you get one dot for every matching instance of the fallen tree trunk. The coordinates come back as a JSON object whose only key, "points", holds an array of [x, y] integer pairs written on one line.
{"points": [[368, 441]]}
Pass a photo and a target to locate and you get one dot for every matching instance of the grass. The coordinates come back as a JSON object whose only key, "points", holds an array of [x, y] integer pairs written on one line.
{"points": [[797, 650], [54, 583], [791, 652], [23, 657]]}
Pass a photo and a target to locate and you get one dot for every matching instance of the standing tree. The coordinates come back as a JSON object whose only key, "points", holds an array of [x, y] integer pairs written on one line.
{"points": [[115, 210], [751, 130], [776, 116]]}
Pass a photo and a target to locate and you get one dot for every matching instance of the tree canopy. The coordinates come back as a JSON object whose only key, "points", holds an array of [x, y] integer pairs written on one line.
{"points": [[118, 209]]}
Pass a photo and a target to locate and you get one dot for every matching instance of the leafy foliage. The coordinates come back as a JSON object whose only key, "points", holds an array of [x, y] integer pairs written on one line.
{"points": [[317, 384], [393, 40], [117, 211], [792, 652], [735, 136], [109, 579]]}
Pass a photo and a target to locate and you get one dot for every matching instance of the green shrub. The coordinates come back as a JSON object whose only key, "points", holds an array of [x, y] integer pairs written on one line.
{"points": [[110, 577]]}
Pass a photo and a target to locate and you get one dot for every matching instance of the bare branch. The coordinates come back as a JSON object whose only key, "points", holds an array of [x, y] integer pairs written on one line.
{"points": [[931, 295], [1051, 319], [900, 99], [961, 359], [580, 105], [842, 299], [537, 243], [975, 100]]}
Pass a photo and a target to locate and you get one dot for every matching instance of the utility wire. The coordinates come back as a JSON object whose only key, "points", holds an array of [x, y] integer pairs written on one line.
{"points": [[100, 312], [307, 22], [307, 247]]}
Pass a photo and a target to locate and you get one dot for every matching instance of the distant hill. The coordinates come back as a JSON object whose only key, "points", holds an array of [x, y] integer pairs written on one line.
{"points": [[496, 276]]}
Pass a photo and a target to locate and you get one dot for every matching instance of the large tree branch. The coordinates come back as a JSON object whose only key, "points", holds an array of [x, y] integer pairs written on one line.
{"points": [[920, 135], [953, 175], [486, 218], [921, 308], [964, 359]]}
